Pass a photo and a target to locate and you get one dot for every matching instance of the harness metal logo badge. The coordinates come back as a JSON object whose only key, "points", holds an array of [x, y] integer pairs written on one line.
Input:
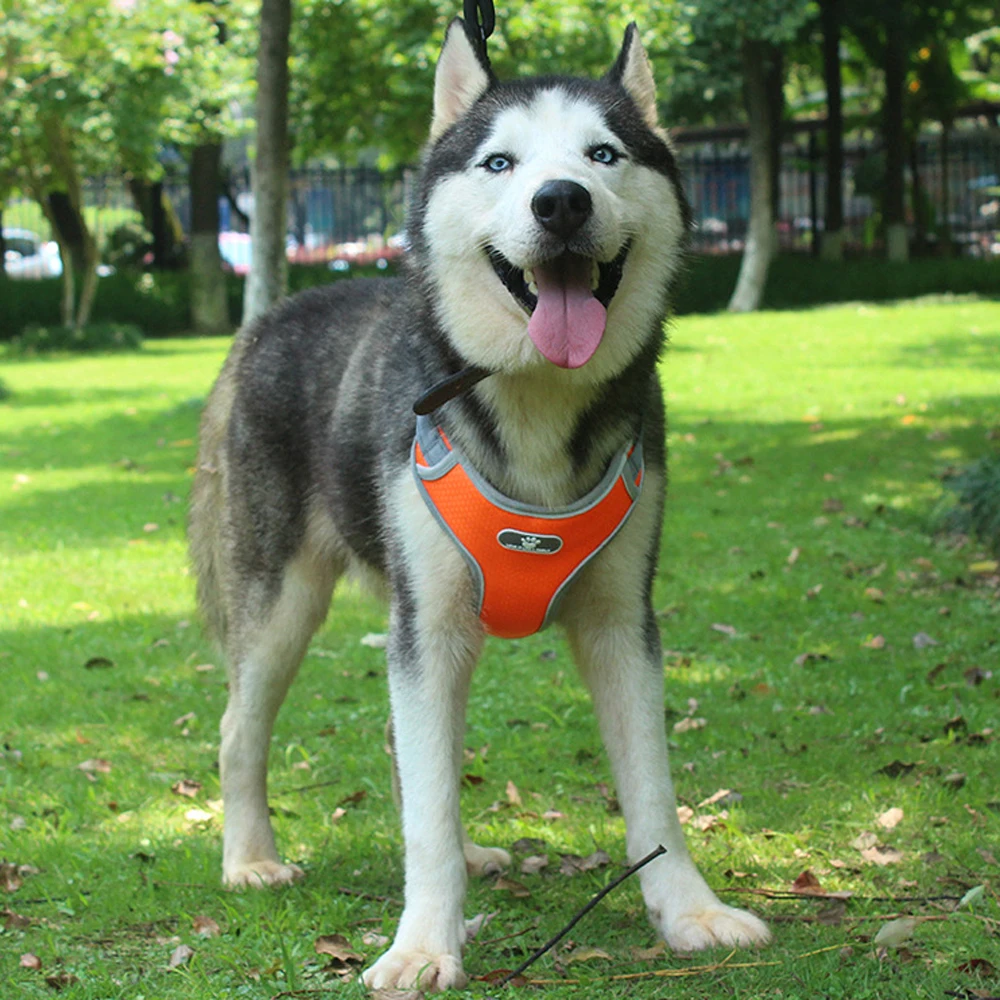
{"points": [[521, 541]]}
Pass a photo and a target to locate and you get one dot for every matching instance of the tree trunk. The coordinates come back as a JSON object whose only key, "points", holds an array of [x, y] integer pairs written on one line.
{"points": [[760, 243], [159, 217], [894, 138], [946, 244], [775, 71], [209, 303], [268, 278], [918, 198], [64, 209], [832, 244]]}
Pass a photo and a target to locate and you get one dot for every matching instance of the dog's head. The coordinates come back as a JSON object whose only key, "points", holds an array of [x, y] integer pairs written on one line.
{"points": [[549, 221]]}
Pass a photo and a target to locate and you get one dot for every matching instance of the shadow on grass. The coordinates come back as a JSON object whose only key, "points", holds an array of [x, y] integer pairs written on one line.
{"points": [[42, 397], [965, 350], [162, 446]]}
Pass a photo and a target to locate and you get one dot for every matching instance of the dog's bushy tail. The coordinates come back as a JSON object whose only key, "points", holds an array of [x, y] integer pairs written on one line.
{"points": [[207, 527]]}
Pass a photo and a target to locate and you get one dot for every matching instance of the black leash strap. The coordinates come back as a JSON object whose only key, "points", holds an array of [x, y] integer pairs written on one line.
{"points": [[481, 20], [448, 388]]}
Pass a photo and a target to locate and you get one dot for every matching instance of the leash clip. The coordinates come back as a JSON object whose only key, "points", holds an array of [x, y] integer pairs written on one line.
{"points": [[481, 19]]}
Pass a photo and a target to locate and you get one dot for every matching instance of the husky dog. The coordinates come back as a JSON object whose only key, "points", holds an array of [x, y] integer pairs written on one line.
{"points": [[546, 232]]}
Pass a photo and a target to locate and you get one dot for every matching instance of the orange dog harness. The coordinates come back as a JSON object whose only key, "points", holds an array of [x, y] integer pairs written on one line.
{"points": [[522, 557]]}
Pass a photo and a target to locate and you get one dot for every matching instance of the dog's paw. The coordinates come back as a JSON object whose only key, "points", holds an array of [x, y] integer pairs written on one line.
{"points": [[260, 875], [715, 925], [399, 968], [485, 860]]}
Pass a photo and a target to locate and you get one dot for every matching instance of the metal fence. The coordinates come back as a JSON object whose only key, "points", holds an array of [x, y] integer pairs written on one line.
{"points": [[358, 213]]}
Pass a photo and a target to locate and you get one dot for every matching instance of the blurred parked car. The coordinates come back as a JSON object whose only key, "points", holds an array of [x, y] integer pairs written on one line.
{"points": [[27, 255]]}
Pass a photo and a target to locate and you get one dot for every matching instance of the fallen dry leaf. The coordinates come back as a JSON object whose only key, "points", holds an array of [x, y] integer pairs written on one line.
{"points": [[97, 764], [534, 864], [10, 876], [205, 927], [14, 921], [864, 840], [881, 856], [29, 960], [372, 939], [895, 933], [517, 889], [648, 954], [573, 864], [706, 823], [684, 814], [186, 787], [375, 640], [513, 795], [60, 980], [185, 719], [337, 947], [875, 642], [890, 819], [729, 630], [585, 954], [875, 594], [725, 796], [896, 769], [197, 816], [922, 640], [687, 724], [353, 799], [181, 955], [474, 925], [807, 884], [977, 967]]}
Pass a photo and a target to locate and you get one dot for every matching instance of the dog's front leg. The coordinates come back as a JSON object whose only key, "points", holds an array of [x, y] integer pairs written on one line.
{"points": [[429, 671]]}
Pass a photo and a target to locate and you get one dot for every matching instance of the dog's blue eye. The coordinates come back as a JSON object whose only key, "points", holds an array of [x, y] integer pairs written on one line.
{"points": [[604, 154], [498, 163]]}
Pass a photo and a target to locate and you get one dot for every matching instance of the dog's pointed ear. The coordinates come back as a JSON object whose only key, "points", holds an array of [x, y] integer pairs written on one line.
{"points": [[463, 75], [632, 70]]}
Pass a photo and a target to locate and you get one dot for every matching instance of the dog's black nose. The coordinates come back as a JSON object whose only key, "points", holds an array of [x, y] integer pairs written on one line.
{"points": [[562, 207]]}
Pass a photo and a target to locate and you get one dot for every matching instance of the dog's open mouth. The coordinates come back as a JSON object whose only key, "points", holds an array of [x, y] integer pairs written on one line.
{"points": [[567, 299]]}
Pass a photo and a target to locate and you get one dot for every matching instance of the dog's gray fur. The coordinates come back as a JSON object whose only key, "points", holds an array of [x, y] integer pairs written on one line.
{"points": [[303, 474]]}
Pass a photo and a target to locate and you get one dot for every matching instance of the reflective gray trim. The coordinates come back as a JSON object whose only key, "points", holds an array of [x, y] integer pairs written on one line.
{"points": [[478, 583], [440, 459], [553, 608]]}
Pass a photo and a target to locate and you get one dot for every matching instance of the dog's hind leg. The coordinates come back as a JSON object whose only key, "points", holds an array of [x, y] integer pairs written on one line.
{"points": [[267, 645]]}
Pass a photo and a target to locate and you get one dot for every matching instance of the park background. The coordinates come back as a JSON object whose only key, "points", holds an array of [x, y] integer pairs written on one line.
{"points": [[829, 586]]}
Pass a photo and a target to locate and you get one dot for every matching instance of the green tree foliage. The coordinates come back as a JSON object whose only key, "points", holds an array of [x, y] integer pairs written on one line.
{"points": [[362, 73], [90, 87]]}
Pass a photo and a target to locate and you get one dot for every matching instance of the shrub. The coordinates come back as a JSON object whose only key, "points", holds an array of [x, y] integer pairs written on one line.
{"points": [[94, 337], [977, 510]]}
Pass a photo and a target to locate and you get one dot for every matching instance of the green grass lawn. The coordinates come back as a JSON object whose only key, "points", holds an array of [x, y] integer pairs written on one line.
{"points": [[843, 659]]}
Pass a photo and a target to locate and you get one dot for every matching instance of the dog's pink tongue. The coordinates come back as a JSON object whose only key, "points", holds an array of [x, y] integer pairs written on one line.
{"points": [[568, 322]]}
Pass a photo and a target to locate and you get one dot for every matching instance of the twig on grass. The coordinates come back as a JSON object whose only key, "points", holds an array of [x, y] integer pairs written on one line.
{"points": [[694, 970], [344, 891], [660, 849], [301, 993], [533, 926], [787, 894]]}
